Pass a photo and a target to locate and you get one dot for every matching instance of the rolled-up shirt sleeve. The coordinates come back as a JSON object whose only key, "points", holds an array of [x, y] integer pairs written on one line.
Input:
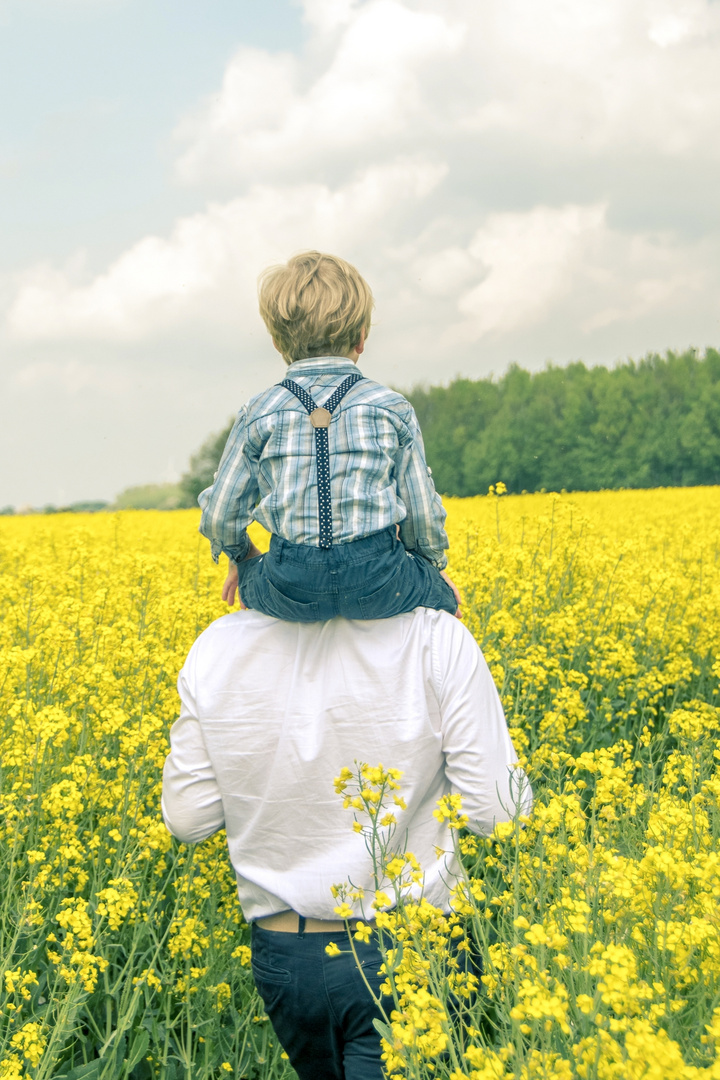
{"points": [[192, 806], [227, 506], [480, 760], [422, 531]]}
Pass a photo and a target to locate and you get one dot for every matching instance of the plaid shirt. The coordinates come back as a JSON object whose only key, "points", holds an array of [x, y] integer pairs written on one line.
{"points": [[378, 473]]}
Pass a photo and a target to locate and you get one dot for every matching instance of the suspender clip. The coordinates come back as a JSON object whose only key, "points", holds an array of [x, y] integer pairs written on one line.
{"points": [[320, 418]]}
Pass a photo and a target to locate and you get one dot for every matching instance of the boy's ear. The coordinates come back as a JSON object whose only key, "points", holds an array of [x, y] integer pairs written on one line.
{"points": [[361, 343]]}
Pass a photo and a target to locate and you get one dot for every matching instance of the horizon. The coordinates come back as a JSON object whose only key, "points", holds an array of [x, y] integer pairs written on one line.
{"points": [[163, 495]]}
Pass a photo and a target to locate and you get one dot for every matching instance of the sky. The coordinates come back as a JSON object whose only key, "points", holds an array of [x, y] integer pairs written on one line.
{"points": [[519, 181]]}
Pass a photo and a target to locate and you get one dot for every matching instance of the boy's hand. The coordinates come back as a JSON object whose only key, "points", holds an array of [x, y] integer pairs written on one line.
{"points": [[230, 586], [231, 581], [455, 590]]}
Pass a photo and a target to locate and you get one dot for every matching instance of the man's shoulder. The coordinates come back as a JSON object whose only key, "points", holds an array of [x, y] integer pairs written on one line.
{"points": [[240, 637], [241, 624], [254, 632], [248, 650], [445, 629]]}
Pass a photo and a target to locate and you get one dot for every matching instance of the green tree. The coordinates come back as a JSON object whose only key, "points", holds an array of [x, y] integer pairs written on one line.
{"points": [[150, 497], [450, 418], [203, 466], [647, 424]]}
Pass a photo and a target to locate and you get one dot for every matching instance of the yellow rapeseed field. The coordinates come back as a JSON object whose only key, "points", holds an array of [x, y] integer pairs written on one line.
{"points": [[597, 919]]}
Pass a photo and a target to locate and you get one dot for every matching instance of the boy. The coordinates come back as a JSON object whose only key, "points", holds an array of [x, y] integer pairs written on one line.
{"points": [[332, 464]]}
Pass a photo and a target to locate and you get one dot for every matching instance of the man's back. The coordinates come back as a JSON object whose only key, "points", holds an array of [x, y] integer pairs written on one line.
{"points": [[271, 713]]}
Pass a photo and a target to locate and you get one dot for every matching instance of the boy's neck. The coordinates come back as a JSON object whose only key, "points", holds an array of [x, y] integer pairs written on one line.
{"points": [[354, 354]]}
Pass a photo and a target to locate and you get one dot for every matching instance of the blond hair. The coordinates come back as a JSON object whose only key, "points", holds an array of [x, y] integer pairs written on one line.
{"points": [[314, 305]]}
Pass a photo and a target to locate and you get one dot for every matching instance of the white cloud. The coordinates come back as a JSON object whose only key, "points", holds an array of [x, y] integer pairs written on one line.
{"points": [[643, 277], [578, 75], [272, 114], [554, 281], [207, 268], [442, 273], [623, 74], [671, 22], [531, 260], [72, 377], [327, 15], [471, 157]]}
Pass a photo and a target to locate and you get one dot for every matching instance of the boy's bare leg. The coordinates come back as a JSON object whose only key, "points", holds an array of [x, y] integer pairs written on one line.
{"points": [[231, 581]]}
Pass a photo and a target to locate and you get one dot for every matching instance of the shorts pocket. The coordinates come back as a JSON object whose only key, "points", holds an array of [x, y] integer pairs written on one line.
{"points": [[282, 607], [388, 600]]}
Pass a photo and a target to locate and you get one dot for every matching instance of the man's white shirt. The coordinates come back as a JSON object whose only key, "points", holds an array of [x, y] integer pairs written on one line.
{"points": [[272, 711]]}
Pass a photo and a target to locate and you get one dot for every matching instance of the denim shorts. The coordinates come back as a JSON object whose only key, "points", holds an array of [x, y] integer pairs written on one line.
{"points": [[370, 578], [319, 1005]]}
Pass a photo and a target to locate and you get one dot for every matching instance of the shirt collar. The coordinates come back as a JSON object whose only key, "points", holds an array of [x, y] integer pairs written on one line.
{"points": [[326, 365]]}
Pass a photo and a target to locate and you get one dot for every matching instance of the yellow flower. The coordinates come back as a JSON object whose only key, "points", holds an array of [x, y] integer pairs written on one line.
{"points": [[597, 614], [223, 995], [30, 1041], [395, 867], [342, 780], [243, 954]]}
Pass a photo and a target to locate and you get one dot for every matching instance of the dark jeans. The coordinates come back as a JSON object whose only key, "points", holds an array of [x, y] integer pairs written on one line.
{"points": [[371, 578], [319, 1006]]}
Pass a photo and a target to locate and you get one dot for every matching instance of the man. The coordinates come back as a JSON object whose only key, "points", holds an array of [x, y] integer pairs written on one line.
{"points": [[271, 713]]}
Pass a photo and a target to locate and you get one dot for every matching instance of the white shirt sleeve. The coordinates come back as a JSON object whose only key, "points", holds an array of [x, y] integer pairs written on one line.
{"points": [[479, 754], [191, 801]]}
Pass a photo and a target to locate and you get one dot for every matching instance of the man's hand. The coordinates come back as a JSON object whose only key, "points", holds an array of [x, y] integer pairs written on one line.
{"points": [[231, 581], [455, 590]]}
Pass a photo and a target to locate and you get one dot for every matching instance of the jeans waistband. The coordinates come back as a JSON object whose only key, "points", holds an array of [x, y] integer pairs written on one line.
{"points": [[354, 551], [292, 923]]}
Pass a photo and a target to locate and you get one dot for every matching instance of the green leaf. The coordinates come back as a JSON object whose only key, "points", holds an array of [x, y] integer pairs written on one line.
{"points": [[82, 1072], [138, 1049], [384, 1029]]}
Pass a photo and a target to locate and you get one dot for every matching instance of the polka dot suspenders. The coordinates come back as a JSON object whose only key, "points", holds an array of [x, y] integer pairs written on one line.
{"points": [[320, 417]]}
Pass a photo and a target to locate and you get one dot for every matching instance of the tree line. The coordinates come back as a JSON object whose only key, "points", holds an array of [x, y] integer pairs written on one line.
{"points": [[654, 423], [650, 423]]}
